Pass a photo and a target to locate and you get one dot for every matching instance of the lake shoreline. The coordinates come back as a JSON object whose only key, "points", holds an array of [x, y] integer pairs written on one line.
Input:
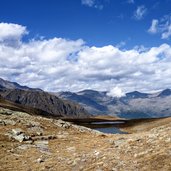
{"points": [[123, 125]]}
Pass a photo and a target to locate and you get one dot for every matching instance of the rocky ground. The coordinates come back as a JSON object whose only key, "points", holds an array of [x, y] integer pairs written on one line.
{"points": [[33, 143]]}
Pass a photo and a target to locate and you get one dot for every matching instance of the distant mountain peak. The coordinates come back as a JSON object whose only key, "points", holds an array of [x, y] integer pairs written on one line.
{"points": [[166, 92], [136, 94], [14, 85], [88, 91]]}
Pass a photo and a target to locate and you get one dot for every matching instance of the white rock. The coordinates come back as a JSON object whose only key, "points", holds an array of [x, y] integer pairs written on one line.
{"points": [[17, 131]]}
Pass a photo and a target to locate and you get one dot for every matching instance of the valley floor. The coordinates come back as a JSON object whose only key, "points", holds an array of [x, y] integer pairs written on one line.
{"points": [[33, 143]]}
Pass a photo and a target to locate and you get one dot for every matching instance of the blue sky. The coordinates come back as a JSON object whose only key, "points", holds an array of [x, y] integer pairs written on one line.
{"points": [[73, 19], [71, 45]]}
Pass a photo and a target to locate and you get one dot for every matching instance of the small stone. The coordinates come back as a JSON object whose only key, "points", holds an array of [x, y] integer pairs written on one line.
{"points": [[17, 131], [2, 123], [119, 142], [74, 163], [61, 136], [61, 123], [135, 155], [22, 137], [96, 153], [84, 160], [168, 140], [69, 162], [9, 122], [40, 160], [71, 149]]}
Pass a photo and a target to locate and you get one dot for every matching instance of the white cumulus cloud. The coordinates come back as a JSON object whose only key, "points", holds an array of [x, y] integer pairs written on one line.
{"points": [[60, 64], [116, 92], [11, 33]]}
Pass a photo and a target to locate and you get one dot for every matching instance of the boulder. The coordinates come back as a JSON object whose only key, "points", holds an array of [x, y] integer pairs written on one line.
{"points": [[18, 135]]}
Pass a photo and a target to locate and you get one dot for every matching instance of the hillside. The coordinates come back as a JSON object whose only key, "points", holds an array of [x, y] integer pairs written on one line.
{"points": [[41, 100], [36, 143]]}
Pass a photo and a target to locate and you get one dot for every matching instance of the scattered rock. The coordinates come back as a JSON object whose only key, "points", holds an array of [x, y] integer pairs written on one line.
{"points": [[2, 123], [34, 124], [43, 146], [35, 131], [19, 138], [40, 160], [69, 162], [96, 153], [17, 131], [18, 135], [9, 122], [71, 149], [47, 137], [25, 146], [4, 111], [61, 123], [61, 136], [119, 142]]}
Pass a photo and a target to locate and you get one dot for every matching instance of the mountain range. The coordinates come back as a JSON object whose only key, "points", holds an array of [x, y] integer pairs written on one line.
{"points": [[89, 102], [132, 105]]}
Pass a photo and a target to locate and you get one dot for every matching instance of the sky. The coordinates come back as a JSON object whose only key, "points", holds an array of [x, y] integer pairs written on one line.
{"points": [[70, 45]]}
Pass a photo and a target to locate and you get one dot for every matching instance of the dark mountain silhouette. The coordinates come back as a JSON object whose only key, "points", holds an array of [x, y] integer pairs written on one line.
{"points": [[164, 93], [136, 94]]}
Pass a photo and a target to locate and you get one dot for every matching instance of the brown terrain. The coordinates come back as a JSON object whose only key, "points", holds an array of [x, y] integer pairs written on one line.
{"points": [[33, 143]]}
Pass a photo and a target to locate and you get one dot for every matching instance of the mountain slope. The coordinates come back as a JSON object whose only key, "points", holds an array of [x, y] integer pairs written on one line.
{"points": [[22, 108], [39, 99]]}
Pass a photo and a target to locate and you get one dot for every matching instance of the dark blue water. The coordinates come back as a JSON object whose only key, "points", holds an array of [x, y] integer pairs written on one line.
{"points": [[110, 130], [109, 123]]}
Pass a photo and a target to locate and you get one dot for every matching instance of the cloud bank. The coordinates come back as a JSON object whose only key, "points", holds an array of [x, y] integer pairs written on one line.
{"points": [[60, 64]]}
